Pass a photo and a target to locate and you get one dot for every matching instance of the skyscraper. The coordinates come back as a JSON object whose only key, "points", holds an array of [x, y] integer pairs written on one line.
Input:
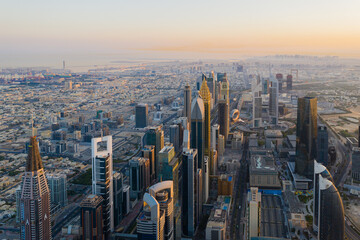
{"points": [[211, 84], [355, 166], [175, 137], [257, 103], [92, 225], [331, 220], [149, 152], [189, 170], [155, 136], [274, 102], [58, 188], [139, 176], [118, 197], [254, 212], [197, 135], [322, 145], [198, 195], [289, 80], [306, 136], [223, 107], [279, 78], [187, 102], [35, 198], [319, 170], [164, 194], [151, 221], [102, 178], [141, 115]]}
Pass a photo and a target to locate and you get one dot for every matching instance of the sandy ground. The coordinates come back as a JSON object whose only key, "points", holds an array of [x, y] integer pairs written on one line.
{"points": [[354, 213], [340, 124]]}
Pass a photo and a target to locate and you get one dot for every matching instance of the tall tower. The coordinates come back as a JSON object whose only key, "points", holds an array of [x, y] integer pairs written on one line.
{"points": [[223, 111], [92, 218], [102, 178], [257, 102], [289, 80], [197, 135], [322, 145], [306, 136], [141, 116], [155, 136], [35, 198], [274, 102], [206, 97], [331, 220], [187, 102], [189, 170], [163, 193]]}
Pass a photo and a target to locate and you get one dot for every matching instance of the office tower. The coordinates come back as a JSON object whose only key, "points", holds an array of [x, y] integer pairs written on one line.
{"points": [[355, 167], [35, 198], [151, 221], [279, 78], [164, 194], [198, 195], [306, 136], [118, 197], [139, 176], [82, 119], [221, 144], [215, 131], [322, 145], [149, 152], [274, 102], [141, 115], [257, 103], [359, 134], [206, 172], [254, 212], [18, 203], [175, 137], [155, 136], [211, 84], [58, 188], [265, 85], [197, 135], [187, 102], [221, 77], [189, 170], [289, 80], [223, 107], [331, 220], [206, 97], [186, 140], [166, 156], [126, 200], [92, 224], [319, 170], [216, 226], [102, 178]]}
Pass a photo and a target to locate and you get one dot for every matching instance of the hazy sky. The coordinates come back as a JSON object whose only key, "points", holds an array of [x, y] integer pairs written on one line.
{"points": [[249, 27]]}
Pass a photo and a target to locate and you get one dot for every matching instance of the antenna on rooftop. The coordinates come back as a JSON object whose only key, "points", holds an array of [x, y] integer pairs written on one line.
{"points": [[32, 125]]}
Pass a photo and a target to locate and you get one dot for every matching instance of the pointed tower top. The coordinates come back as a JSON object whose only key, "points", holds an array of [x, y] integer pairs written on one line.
{"points": [[205, 92], [33, 162]]}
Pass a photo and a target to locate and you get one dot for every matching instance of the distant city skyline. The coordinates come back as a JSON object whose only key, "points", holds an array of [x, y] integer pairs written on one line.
{"points": [[186, 29]]}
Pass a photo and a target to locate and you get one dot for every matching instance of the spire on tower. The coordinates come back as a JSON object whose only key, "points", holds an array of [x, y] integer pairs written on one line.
{"points": [[33, 161]]}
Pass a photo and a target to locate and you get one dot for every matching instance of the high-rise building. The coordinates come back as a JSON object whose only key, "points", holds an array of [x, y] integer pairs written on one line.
{"points": [[118, 197], [319, 170], [35, 198], [92, 225], [139, 176], [289, 80], [175, 137], [102, 178], [279, 78], [215, 131], [254, 212], [331, 216], [151, 221], [274, 102], [322, 145], [126, 199], [166, 156], [141, 116], [206, 97], [149, 152], [187, 102], [206, 172], [58, 188], [223, 107], [216, 226], [355, 166], [155, 136], [164, 194], [211, 84], [306, 136], [189, 170], [198, 196], [197, 135], [18, 203], [257, 102]]}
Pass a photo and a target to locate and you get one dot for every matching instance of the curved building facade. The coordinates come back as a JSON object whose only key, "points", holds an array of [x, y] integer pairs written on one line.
{"points": [[331, 220]]}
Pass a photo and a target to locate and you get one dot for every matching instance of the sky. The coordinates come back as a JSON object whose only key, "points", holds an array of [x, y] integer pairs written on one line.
{"points": [[180, 28]]}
